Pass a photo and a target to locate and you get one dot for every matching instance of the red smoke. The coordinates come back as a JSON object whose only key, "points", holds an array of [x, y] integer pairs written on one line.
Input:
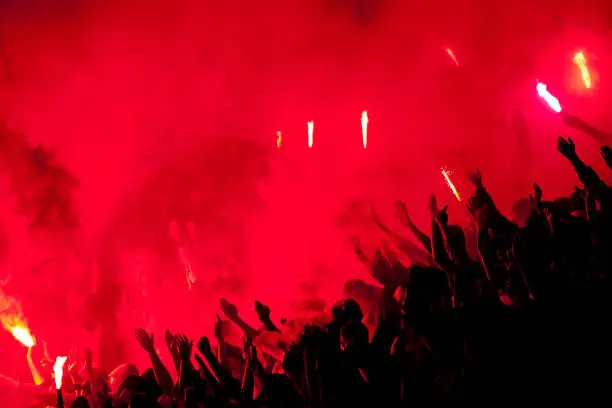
{"points": [[169, 112]]}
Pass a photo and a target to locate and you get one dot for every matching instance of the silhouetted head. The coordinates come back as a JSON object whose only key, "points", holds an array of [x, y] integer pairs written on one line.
{"points": [[347, 310], [120, 375], [354, 337]]}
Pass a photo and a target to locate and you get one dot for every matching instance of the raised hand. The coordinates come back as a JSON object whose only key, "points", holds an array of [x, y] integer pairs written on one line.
{"points": [[581, 191], [184, 346], [606, 154], [229, 309], [169, 338], [536, 198], [433, 205], [442, 216], [219, 325], [145, 340], [204, 346], [263, 311], [566, 147], [475, 177]]}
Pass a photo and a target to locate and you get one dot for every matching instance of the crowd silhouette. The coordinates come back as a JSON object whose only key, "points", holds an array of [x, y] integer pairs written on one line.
{"points": [[507, 310]]}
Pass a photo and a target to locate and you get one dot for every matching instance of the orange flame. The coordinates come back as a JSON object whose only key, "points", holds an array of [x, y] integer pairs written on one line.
{"points": [[310, 133], [13, 321], [58, 370], [279, 139], [452, 55], [364, 128], [548, 97], [450, 184], [581, 62]]}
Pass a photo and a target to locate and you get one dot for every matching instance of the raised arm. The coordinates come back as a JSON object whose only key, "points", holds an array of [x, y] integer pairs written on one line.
{"points": [[483, 210], [185, 347], [263, 313], [587, 175], [221, 375], [162, 375], [173, 349], [606, 154], [231, 311], [413, 252], [220, 336], [439, 244], [401, 212]]}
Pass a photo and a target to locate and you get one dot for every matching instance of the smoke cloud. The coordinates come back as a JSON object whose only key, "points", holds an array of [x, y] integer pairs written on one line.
{"points": [[166, 114]]}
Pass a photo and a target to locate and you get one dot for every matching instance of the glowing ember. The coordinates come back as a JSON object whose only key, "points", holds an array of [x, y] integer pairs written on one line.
{"points": [[279, 139], [364, 128], [450, 184], [310, 133], [58, 370], [548, 97], [580, 61], [452, 55]]}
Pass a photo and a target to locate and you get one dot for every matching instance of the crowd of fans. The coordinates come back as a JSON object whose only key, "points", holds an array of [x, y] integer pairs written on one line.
{"points": [[518, 316]]}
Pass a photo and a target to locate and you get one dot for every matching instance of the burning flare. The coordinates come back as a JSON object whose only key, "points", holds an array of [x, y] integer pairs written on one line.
{"points": [[452, 55], [310, 133], [548, 97], [450, 184], [279, 139], [22, 334], [58, 370], [364, 128], [581, 62], [13, 321]]}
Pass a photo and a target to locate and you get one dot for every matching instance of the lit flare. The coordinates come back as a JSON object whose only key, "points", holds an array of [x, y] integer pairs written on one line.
{"points": [[552, 101], [581, 62], [279, 139], [364, 128], [310, 133], [12, 320], [450, 184], [22, 334], [452, 55], [58, 370]]}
